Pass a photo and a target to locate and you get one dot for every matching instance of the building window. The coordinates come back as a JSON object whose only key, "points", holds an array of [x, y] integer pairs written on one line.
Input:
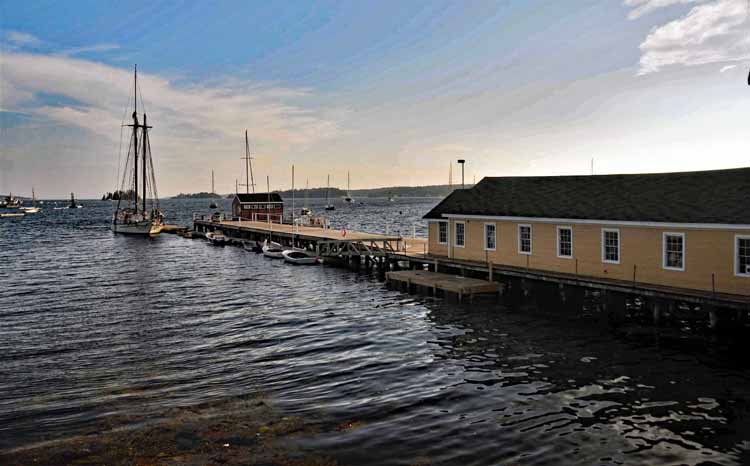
{"points": [[443, 232], [742, 255], [460, 234], [565, 242], [524, 239], [490, 236], [673, 245], [611, 246]]}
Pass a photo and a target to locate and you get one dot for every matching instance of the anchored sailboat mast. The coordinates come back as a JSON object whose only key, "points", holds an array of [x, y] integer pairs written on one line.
{"points": [[135, 137]]}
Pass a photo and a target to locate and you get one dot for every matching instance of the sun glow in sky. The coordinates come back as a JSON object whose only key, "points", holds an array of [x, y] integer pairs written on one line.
{"points": [[392, 91]]}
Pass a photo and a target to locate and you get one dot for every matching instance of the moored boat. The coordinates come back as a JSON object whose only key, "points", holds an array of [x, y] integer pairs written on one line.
{"points": [[130, 217], [273, 250], [300, 257], [34, 209], [216, 238]]}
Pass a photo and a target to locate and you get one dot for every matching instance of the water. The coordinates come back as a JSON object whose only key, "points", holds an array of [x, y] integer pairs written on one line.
{"points": [[100, 331]]}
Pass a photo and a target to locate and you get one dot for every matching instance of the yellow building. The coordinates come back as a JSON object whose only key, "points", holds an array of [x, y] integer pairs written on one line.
{"points": [[687, 230]]}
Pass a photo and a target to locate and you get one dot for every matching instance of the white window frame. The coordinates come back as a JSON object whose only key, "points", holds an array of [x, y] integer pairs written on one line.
{"points": [[564, 227], [664, 250], [447, 232], [737, 272], [604, 248], [455, 234], [531, 239], [494, 225]]}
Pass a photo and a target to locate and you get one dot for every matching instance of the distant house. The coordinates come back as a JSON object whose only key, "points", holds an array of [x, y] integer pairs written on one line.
{"points": [[685, 230], [258, 207]]}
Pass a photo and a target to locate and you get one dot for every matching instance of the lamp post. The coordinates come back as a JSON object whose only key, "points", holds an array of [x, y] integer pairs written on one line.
{"points": [[462, 162]]}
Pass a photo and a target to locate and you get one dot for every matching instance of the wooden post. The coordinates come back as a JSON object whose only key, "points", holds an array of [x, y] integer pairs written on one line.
{"points": [[490, 270], [436, 265]]}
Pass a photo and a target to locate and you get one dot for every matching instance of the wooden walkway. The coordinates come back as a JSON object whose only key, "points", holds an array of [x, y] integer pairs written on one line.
{"points": [[442, 281]]}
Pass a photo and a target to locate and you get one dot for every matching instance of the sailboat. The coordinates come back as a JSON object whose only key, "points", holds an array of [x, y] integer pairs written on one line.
{"points": [[306, 210], [348, 197], [212, 205], [128, 217], [73, 204], [10, 202], [329, 206], [34, 208]]}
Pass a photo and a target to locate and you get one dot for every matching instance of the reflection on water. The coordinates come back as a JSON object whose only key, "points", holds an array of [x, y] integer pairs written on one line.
{"points": [[100, 330]]}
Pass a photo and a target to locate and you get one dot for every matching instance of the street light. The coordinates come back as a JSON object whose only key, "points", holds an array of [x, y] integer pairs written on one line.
{"points": [[462, 162]]}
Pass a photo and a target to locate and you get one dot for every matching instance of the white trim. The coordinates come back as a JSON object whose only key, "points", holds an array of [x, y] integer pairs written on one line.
{"points": [[485, 236], [737, 239], [439, 224], [700, 226], [564, 227], [664, 250], [619, 245], [531, 238], [455, 233]]}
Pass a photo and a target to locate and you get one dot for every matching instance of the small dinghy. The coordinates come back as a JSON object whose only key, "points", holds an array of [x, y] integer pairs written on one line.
{"points": [[300, 257], [273, 250], [217, 239]]}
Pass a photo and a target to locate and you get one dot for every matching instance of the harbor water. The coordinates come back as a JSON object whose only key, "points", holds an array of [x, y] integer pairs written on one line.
{"points": [[99, 331]]}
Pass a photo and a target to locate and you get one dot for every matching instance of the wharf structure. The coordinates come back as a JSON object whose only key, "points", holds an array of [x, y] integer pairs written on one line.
{"points": [[666, 236]]}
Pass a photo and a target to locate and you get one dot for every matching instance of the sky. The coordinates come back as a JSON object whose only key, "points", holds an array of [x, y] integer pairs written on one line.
{"points": [[393, 92]]}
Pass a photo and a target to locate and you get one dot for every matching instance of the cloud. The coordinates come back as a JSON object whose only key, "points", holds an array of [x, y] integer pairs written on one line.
{"points": [[88, 49], [727, 68], [21, 38], [644, 7], [713, 32], [194, 125]]}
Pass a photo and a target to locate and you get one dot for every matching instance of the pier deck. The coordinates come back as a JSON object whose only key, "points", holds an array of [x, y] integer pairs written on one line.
{"points": [[442, 281]]}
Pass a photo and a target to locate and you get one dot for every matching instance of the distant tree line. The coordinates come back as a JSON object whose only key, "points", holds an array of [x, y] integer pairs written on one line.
{"points": [[118, 195], [201, 195]]}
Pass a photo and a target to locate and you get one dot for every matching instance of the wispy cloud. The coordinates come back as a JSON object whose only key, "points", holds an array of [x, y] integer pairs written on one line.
{"points": [[713, 32], [644, 7], [21, 38], [727, 68], [92, 48]]}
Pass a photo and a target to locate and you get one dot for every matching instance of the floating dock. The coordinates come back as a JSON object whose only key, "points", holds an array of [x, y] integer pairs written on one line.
{"points": [[435, 281]]}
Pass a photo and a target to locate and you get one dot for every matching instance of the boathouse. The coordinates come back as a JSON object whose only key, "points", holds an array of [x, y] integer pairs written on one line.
{"points": [[672, 231], [259, 207]]}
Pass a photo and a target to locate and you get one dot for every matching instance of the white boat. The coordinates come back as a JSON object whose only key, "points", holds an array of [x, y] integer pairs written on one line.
{"points": [[216, 238], [11, 214], [130, 217], [273, 250], [34, 209], [300, 257]]}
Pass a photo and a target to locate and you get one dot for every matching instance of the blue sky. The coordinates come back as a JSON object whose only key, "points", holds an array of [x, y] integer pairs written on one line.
{"points": [[393, 91]]}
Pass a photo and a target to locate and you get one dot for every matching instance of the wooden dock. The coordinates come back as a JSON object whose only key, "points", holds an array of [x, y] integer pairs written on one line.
{"points": [[461, 286], [327, 242]]}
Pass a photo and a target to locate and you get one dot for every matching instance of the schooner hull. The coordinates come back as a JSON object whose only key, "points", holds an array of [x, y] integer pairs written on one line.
{"points": [[140, 228]]}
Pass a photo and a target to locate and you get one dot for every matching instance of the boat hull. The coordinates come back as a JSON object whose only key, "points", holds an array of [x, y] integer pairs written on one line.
{"points": [[145, 228]]}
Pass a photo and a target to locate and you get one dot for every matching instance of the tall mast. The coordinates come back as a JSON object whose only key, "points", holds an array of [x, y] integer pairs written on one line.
{"points": [[143, 162], [135, 136], [328, 188], [249, 178], [212, 182]]}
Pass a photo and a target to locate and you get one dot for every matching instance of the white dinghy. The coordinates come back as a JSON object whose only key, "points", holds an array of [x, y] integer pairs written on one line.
{"points": [[300, 257], [273, 250]]}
